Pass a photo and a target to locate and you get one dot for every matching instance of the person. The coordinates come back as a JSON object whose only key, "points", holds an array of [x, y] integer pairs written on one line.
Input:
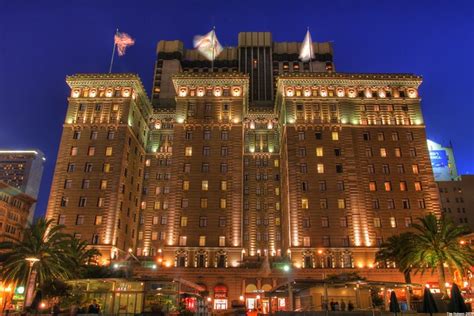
{"points": [[336, 305], [94, 308], [350, 306], [343, 305], [333, 305]]}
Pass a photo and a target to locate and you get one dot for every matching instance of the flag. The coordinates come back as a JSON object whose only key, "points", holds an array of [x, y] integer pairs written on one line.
{"points": [[123, 40], [306, 51], [208, 45]]}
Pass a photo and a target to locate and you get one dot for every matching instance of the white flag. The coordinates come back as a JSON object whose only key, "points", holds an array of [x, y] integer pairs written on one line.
{"points": [[208, 45], [306, 51]]}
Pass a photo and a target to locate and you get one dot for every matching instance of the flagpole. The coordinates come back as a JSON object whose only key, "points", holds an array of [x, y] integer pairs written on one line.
{"points": [[213, 35], [113, 53], [310, 53]]}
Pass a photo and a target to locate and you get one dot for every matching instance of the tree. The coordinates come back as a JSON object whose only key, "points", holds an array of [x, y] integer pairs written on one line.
{"points": [[436, 244], [42, 241], [81, 255], [397, 249]]}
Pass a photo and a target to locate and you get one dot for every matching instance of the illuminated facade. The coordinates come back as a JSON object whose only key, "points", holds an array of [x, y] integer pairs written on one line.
{"points": [[259, 157], [23, 170]]}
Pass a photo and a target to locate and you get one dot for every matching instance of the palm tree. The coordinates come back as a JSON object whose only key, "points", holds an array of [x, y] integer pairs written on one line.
{"points": [[42, 241], [397, 249], [436, 244], [81, 255]]}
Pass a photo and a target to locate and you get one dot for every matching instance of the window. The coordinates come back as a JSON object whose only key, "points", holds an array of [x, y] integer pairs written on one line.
{"points": [[94, 135], [203, 203], [206, 151], [155, 220], [73, 151], [418, 186], [222, 221], [187, 168], [383, 152], [323, 203], [326, 241], [64, 201], [400, 169], [207, 133], [370, 169], [202, 221], [110, 135], [71, 167], [302, 151], [366, 136], [303, 168], [341, 203], [390, 204], [408, 221], [100, 202], [224, 135], [164, 220], [368, 152], [318, 135], [412, 152], [398, 152], [106, 167], [224, 151], [403, 186], [319, 151], [188, 135], [340, 186], [182, 240], [76, 135], [304, 186], [184, 221], [421, 204], [98, 220], [204, 185], [301, 135], [393, 222], [320, 168], [406, 203], [372, 186], [415, 169], [322, 186], [224, 168], [337, 152], [306, 222], [385, 169], [185, 185], [80, 219], [410, 136], [387, 186], [375, 204], [108, 151], [335, 135], [395, 136], [221, 241], [339, 168], [304, 203], [62, 220], [380, 136], [324, 221], [205, 167], [188, 151], [67, 184], [343, 221], [306, 242], [103, 184], [184, 203], [202, 241], [157, 205], [223, 203], [377, 223], [82, 201]]}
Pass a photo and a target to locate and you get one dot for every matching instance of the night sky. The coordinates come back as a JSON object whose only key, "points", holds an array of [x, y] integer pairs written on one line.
{"points": [[43, 41]]}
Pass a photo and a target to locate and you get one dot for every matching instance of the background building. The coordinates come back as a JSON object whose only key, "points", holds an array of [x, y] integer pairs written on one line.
{"points": [[258, 160], [457, 199], [23, 170], [14, 211], [442, 160]]}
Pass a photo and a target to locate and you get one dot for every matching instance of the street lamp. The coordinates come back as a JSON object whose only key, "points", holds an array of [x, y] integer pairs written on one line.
{"points": [[31, 261]]}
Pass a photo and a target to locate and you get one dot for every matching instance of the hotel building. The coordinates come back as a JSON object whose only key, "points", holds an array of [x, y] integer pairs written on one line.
{"points": [[259, 158]]}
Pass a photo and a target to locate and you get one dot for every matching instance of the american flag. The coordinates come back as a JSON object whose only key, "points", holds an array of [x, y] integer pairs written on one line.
{"points": [[123, 40], [208, 45]]}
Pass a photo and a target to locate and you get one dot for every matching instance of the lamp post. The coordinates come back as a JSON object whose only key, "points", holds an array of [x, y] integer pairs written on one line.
{"points": [[31, 261]]}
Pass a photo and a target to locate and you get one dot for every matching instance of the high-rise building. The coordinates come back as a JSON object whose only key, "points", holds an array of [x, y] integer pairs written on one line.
{"points": [[259, 156], [14, 211], [457, 199], [23, 169]]}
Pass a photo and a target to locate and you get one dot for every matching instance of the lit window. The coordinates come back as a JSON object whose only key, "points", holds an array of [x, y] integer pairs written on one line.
{"points": [[372, 186], [393, 222], [184, 221], [415, 169], [304, 203], [73, 151], [223, 185], [388, 186], [157, 205], [202, 241], [320, 168], [380, 136], [403, 186], [188, 151], [383, 152], [306, 242], [185, 185], [108, 151], [377, 222], [276, 163], [221, 241], [203, 203], [204, 185], [319, 151], [182, 240], [106, 167], [223, 203], [398, 152], [408, 221], [98, 220], [100, 202], [335, 135], [341, 203], [103, 184], [148, 162]]}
